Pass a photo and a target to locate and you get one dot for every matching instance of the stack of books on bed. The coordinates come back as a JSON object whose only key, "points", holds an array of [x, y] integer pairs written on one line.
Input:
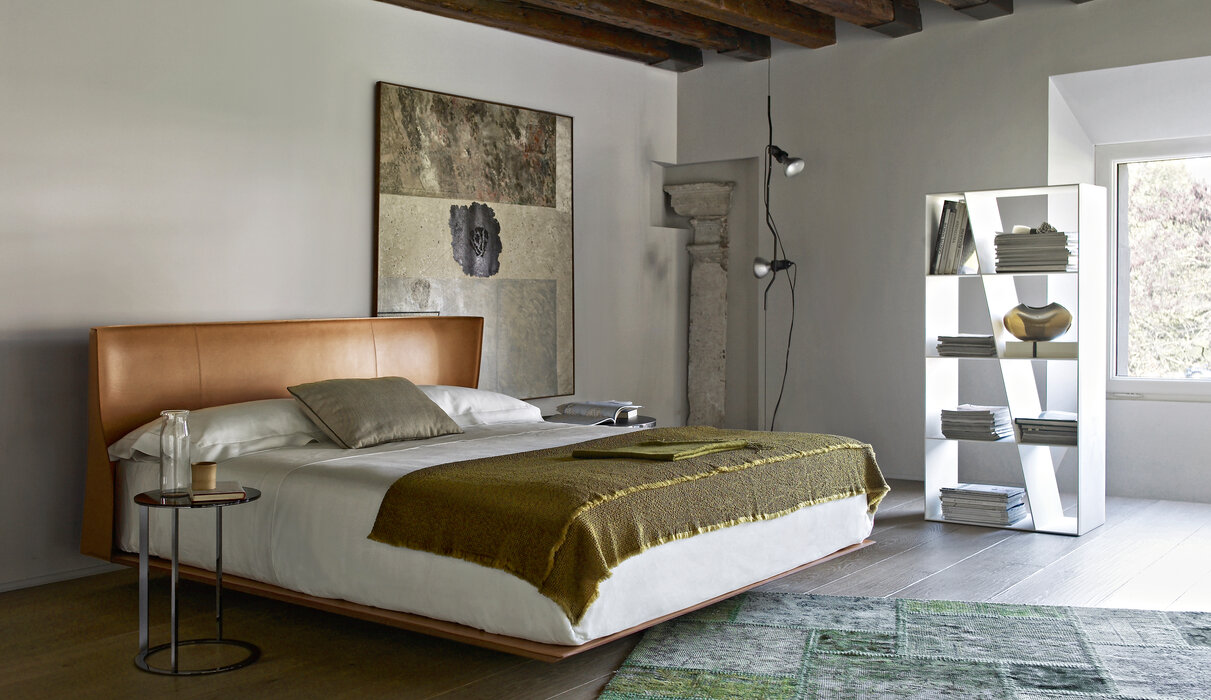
{"points": [[984, 504], [1035, 250], [972, 422], [1050, 428], [967, 345]]}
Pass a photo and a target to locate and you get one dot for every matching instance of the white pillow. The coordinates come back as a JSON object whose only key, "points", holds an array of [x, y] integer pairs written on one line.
{"points": [[224, 432], [478, 407]]}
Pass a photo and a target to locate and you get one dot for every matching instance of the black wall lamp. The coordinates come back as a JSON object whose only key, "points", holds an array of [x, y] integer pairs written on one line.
{"points": [[763, 268], [793, 165]]}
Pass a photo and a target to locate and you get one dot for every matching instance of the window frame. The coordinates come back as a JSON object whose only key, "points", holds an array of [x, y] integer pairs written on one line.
{"points": [[1108, 158]]}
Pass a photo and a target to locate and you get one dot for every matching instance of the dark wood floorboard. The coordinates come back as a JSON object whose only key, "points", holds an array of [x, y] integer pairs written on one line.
{"points": [[77, 639]]}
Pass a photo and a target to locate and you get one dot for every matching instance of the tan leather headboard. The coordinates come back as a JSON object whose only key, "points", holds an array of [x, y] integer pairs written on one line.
{"points": [[137, 371]]}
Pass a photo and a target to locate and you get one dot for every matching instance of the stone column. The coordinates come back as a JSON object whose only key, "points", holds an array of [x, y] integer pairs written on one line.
{"points": [[707, 204]]}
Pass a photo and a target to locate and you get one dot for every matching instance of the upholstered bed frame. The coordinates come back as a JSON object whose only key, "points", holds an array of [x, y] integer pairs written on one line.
{"points": [[137, 371]]}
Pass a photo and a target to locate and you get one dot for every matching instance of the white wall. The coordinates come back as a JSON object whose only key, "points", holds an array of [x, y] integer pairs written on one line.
{"points": [[170, 160], [882, 122]]}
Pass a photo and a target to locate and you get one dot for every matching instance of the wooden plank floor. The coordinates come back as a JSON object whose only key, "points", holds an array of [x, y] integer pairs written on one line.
{"points": [[77, 639]]}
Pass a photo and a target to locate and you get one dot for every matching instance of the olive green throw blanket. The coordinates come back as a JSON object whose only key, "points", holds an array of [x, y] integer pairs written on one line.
{"points": [[562, 523], [666, 450]]}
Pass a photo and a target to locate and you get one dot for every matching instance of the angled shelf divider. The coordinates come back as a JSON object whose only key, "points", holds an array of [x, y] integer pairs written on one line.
{"points": [[1065, 484]]}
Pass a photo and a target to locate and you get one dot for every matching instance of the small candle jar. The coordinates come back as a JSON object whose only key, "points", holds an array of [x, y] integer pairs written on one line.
{"points": [[204, 475]]}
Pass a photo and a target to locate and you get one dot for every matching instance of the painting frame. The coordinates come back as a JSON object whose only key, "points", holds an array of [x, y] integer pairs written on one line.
{"points": [[473, 215]]}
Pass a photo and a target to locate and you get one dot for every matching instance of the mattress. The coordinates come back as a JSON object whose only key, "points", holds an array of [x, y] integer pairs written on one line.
{"points": [[308, 531]]}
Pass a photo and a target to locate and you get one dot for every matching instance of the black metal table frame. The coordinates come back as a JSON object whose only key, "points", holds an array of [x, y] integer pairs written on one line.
{"points": [[152, 499]]}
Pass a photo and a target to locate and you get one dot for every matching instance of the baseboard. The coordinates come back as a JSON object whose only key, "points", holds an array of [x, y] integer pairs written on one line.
{"points": [[58, 576]]}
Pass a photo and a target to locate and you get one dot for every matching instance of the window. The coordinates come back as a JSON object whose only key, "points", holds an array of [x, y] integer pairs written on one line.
{"points": [[1162, 283]]}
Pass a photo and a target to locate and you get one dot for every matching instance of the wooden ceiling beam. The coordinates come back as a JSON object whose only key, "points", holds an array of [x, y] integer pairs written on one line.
{"points": [[906, 19], [778, 19], [860, 12], [656, 20], [981, 9], [522, 18], [889, 17]]}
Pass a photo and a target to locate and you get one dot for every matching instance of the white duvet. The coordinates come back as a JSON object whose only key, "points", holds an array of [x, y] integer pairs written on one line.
{"points": [[308, 533]]}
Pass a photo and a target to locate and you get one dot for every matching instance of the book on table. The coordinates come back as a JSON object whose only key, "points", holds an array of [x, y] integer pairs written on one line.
{"points": [[222, 491], [597, 412]]}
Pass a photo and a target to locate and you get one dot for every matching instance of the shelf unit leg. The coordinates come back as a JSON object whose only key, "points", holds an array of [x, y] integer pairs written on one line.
{"points": [[176, 575], [218, 572], [143, 618]]}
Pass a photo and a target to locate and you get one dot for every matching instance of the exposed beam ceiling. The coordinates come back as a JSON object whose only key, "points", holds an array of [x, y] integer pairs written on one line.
{"points": [[656, 20], [890, 17], [672, 34], [777, 19], [535, 21]]}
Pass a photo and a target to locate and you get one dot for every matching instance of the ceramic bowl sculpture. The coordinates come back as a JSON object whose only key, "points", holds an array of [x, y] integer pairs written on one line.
{"points": [[1038, 323]]}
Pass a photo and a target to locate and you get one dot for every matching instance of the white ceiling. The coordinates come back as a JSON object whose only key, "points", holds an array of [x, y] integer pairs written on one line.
{"points": [[1148, 102]]}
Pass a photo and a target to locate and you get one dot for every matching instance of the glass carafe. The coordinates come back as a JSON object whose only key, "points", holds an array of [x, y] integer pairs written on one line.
{"points": [[174, 453]]}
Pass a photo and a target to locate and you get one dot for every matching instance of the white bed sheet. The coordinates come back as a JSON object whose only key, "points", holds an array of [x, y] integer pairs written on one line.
{"points": [[308, 533]]}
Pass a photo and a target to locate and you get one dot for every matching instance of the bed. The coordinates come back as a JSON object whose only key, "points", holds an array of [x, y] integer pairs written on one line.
{"points": [[305, 540]]}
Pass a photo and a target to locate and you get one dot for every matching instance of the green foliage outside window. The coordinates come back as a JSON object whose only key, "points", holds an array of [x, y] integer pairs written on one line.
{"points": [[1169, 219]]}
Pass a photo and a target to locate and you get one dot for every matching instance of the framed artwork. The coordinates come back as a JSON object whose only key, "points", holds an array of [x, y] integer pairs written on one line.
{"points": [[474, 218]]}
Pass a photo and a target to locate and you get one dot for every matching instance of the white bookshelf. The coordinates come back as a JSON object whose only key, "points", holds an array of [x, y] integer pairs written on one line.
{"points": [[1065, 485]]}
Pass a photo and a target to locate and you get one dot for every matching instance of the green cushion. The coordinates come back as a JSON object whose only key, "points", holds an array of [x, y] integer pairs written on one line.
{"points": [[367, 412]]}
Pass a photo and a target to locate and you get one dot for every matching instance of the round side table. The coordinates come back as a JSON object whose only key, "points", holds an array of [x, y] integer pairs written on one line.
{"points": [[154, 499], [637, 422]]}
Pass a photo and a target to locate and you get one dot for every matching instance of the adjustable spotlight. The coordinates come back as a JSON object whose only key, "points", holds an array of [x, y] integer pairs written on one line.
{"points": [[793, 165], [762, 267]]}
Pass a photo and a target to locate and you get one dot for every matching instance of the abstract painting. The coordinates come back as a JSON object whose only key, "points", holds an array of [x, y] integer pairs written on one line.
{"points": [[475, 219]]}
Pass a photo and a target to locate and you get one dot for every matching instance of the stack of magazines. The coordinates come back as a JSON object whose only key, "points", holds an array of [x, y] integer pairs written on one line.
{"points": [[984, 504], [597, 412], [1035, 250], [972, 422], [967, 345], [1050, 427]]}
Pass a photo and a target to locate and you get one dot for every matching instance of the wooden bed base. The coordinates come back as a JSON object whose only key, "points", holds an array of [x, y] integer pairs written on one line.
{"points": [[449, 630], [137, 371]]}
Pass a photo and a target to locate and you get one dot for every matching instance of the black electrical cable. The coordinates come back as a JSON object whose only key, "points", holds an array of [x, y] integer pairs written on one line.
{"points": [[779, 250]]}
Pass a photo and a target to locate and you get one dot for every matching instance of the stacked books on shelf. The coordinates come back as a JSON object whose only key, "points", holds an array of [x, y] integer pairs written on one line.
{"points": [[1036, 250], [222, 491], [597, 412], [1050, 427], [954, 249], [984, 504], [967, 345], [972, 422]]}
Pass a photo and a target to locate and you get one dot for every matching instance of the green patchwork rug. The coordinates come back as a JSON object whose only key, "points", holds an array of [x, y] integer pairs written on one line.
{"points": [[776, 645]]}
